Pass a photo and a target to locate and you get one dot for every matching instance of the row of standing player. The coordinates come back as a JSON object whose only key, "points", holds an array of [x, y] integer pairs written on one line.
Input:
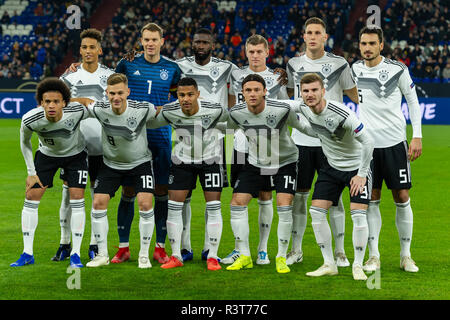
{"points": [[315, 57]]}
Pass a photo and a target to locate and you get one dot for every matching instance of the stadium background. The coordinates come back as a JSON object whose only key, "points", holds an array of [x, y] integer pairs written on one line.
{"points": [[35, 43]]}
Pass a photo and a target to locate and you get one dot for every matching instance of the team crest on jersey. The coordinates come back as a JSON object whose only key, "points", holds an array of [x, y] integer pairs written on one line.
{"points": [[326, 69], [214, 72], [132, 122], [269, 82], [164, 74], [206, 121], [103, 80], [383, 76], [271, 120], [329, 123], [69, 123]]}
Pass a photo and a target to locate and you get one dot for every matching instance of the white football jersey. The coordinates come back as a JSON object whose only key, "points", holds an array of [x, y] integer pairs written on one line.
{"points": [[124, 136], [336, 75], [212, 79], [84, 84], [197, 140], [337, 127], [270, 144], [56, 139], [274, 91], [381, 89]]}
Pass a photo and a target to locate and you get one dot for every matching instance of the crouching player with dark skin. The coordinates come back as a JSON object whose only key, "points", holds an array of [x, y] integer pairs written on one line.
{"points": [[61, 146], [196, 153], [348, 149], [126, 162]]}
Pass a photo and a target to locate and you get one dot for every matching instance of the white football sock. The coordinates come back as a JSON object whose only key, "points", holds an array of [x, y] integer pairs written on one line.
{"points": [[64, 215], [175, 227], [322, 233], [284, 229], [100, 226], [360, 235], [146, 225], [92, 241], [404, 223], [214, 227], [374, 223], [239, 225], [206, 240], [29, 224], [337, 224], [265, 218], [186, 235], [77, 223], [299, 219]]}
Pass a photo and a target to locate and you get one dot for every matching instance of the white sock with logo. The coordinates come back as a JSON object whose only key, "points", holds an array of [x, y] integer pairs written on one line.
{"points": [[186, 235], [175, 227], [360, 235], [64, 215], [100, 226], [284, 229], [214, 227], [374, 223], [240, 227], [337, 224], [299, 219], [29, 224], [77, 223], [322, 233], [404, 223], [146, 226], [265, 218]]}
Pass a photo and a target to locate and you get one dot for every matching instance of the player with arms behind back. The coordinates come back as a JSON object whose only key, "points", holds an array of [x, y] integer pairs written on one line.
{"points": [[88, 80], [257, 52], [338, 80], [212, 76], [382, 83]]}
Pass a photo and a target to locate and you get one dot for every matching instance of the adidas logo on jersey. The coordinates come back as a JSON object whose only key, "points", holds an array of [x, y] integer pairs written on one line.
{"points": [[106, 121], [79, 82], [137, 73], [245, 122]]}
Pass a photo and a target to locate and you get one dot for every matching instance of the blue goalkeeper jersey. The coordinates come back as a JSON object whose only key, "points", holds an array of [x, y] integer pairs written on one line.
{"points": [[152, 82]]}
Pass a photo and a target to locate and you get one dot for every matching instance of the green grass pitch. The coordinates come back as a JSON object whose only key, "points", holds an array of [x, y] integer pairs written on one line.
{"points": [[48, 280]]}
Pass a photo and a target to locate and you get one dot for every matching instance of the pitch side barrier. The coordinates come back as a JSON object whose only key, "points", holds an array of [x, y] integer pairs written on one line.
{"points": [[18, 97]]}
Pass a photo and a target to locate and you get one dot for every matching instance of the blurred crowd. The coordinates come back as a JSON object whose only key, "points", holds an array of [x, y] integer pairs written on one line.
{"points": [[423, 47]]}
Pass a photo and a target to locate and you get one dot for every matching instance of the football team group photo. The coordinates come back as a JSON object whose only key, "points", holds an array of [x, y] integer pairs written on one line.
{"points": [[270, 146]]}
